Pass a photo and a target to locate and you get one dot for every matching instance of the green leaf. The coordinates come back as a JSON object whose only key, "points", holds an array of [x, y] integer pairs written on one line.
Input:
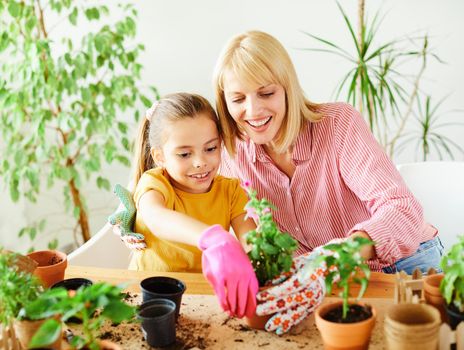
{"points": [[73, 16], [103, 183], [47, 334], [14, 9]]}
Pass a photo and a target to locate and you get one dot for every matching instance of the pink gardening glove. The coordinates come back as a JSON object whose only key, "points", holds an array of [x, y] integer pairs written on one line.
{"points": [[293, 300], [227, 267]]}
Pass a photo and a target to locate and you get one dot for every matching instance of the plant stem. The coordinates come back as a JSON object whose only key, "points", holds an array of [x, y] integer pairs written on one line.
{"points": [[361, 49], [413, 96]]}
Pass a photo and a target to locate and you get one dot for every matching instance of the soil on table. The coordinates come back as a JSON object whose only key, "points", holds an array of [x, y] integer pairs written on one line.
{"points": [[356, 313]]}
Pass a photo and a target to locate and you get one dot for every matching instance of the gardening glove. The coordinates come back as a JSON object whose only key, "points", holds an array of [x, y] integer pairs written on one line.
{"points": [[123, 220], [295, 293], [228, 269]]}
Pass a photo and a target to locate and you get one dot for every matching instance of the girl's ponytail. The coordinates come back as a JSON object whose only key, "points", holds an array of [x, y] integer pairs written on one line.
{"points": [[143, 160]]}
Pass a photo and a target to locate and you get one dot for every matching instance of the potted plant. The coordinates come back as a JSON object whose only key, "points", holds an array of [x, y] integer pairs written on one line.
{"points": [[94, 304], [452, 285], [18, 290], [271, 250], [345, 324]]}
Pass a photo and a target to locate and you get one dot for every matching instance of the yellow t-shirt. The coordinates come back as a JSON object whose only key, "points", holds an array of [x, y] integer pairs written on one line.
{"points": [[225, 201]]}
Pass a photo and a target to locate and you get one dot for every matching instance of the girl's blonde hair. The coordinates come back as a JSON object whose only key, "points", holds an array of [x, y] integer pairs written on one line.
{"points": [[259, 58], [169, 109]]}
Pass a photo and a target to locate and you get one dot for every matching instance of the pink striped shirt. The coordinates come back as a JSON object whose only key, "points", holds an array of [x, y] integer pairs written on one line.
{"points": [[343, 182]]}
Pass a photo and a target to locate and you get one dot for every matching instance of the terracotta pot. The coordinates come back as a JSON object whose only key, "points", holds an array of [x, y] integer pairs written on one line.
{"points": [[109, 345], [432, 294], [412, 326], [51, 266], [337, 336], [26, 329], [258, 322]]}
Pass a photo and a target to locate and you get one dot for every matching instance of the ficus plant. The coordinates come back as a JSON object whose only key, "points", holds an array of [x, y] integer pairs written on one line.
{"points": [[68, 89], [346, 266], [271, 249], [452, 284]]}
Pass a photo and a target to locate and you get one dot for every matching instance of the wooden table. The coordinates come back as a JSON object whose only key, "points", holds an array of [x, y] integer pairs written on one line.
{"points": [[203, 325], [380, 285]]}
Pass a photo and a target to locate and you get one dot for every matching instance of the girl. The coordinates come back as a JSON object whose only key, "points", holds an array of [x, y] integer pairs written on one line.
{"points": [[184, 209]]}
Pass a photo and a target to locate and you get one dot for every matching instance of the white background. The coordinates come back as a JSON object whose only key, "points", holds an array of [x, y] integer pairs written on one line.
{"points": [[183, 39]]}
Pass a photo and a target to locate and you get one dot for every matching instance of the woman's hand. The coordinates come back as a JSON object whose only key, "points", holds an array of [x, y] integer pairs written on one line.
{"points": [[295, 293]]}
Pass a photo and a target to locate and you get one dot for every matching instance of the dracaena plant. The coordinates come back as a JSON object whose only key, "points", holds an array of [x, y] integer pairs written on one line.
{"points": [[345, 267], [68, 90], [452, 285], [271, 249]]}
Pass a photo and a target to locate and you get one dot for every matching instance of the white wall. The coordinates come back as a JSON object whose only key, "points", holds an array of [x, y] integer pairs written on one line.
{"points": [[183, 39]]}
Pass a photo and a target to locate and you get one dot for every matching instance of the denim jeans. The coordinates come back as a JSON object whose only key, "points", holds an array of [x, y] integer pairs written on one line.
{"points": [[428, 255]]}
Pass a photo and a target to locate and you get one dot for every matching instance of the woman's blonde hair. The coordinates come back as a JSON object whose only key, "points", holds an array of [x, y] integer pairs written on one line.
{"points": [[169, 109], [259, 58]]}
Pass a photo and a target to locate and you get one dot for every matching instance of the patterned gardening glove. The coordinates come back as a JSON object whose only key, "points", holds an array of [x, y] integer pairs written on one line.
{"points": [[123, 220], [295, 293], [227, 268]]}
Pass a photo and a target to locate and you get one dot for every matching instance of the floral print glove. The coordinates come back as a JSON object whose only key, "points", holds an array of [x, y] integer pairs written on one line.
{"points": [[295, 293]]}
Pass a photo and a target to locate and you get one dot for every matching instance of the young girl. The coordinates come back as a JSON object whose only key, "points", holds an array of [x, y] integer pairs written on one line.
{"points": [[184, 209]]}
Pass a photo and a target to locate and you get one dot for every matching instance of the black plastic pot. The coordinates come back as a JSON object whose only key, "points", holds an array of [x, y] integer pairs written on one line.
{"points": [[158, 322], [73, 284], [163, 287], [454, 316]]}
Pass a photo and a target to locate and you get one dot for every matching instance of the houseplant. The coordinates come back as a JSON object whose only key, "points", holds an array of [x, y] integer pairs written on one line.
{"points": [[270, 249], [383, 82], [452, 285], [94, 304], [66, 91], [345, 324], [18, 289]]}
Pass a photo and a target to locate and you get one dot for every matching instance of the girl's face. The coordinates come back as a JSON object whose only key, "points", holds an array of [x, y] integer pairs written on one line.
{"points": [[191, 153], [257, 110]]}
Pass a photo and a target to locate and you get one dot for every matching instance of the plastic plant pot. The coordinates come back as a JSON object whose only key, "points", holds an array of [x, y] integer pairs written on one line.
{"points": [[163, 287], [158, 322], [73, 284]]}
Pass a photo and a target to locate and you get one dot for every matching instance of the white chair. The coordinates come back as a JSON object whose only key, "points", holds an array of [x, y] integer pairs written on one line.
{"points": [[105, 249], [439, 187]]}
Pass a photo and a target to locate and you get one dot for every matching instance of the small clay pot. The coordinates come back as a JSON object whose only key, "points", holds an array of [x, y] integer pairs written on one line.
{"points": [[412, 326], [51, 266], [158, 318], [352, 336], [26, 329], [256, 321], [432, 294], [163, 287], [455, 317]]}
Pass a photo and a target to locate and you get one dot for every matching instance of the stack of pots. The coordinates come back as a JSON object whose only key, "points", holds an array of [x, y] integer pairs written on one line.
{"points": [[412, 326], [162, 297]]}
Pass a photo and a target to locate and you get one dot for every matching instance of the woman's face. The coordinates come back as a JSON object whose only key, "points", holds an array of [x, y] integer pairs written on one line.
{"points": [[257, 110]]}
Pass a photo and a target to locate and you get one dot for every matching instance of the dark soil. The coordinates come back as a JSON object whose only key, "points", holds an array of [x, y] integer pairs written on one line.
{"points": [[356, 313], [54, 260]]}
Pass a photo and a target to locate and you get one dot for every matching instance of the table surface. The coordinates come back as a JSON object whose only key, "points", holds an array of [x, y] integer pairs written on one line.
{"points": [[380, 285], [203, 325]]}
